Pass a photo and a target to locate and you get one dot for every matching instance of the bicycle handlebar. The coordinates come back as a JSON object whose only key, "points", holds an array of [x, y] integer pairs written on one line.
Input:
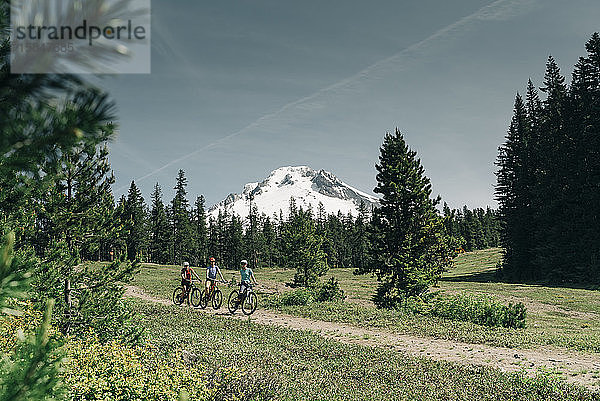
{"points": [[219, 281]]}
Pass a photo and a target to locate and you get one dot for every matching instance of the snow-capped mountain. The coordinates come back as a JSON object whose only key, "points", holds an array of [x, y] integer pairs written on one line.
{"points": [[307, 186]]}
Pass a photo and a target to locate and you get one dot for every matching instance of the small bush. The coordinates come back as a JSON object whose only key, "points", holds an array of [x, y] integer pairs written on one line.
{"points": [[329, 291], [113, 371], [479, 309], [421, 304], [299, 296]]}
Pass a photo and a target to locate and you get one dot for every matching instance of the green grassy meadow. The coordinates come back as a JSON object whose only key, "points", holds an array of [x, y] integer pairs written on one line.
{"points": [[562, 317], [298, 365]]}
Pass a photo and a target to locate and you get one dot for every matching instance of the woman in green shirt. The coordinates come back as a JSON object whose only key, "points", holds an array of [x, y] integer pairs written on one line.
{"points": [[247, 276]]}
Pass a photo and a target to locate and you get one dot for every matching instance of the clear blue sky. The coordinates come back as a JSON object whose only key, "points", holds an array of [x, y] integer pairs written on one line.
{"points": [[239, 88]]}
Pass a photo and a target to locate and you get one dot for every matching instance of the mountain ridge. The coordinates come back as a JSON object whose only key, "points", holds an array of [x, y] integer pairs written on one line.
{"points": [[307, 186]]}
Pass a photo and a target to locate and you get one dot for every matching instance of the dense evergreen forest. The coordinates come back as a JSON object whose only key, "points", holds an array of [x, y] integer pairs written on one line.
{"points": [[549, 178], [473, 229], [178, 231]]}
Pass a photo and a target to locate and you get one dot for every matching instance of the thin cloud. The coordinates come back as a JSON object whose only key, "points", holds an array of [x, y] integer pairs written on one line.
{"points": [[129, 153], [497, 10]]}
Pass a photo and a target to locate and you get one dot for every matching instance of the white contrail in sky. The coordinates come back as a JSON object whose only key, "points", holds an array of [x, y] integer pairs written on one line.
{"points": [[497, 10]]}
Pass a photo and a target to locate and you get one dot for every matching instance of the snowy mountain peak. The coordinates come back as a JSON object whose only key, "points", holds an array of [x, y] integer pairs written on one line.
{"points": [[308, 187]]}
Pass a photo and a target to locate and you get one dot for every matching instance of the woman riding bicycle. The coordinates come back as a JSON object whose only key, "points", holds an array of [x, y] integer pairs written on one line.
{"points": [[211, 275], [247, 275], [186, 277]]}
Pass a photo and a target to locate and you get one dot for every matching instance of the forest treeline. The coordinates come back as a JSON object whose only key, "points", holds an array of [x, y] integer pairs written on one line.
{"points": [[473, 229], [176, 231], [548, 185]]}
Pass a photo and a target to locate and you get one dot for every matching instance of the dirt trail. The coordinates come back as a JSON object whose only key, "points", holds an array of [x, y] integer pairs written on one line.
{"points": [[576, 367]]}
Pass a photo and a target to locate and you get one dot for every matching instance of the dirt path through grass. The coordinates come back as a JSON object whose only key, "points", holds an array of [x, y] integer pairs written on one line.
{"points": [[579, 368]]}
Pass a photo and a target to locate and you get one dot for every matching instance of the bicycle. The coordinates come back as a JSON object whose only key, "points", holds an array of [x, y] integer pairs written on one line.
{"points": [[248, 301], [193, 296], [215, 295]]}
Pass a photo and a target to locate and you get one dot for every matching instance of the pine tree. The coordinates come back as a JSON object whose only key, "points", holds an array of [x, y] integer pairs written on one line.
{"points": [[200, 231], [471, 229], [233, 249], [452, 225], [78, 204], [293, 209], [514, 192], [334, 233], [269, 233], [281, 224], [32, 370], [79, 214], [251, 237], [302, 247], [591, 195], [583, 175], [46, 122], [42, 117], [360, 242], [410, 249], [135, 223], [548, 179], [183, 232], [221, 235], [159, 229], [117, 244], [551, 178], [321, 218], [213, 238]]}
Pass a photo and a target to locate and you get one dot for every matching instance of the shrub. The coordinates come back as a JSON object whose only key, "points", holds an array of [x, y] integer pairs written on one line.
{"points": [[329, 291], [96, 295], [326, 292], [479, 309], [421, 304], [298, 296], [96, 370], [114, 371], [19, 325], [29, 366]]}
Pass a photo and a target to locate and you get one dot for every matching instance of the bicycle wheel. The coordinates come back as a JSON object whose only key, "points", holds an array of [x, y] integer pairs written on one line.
{"points": [[233, 302], [178, 296], [217, 299], [196, 297], [203, 299], [249, 303]]}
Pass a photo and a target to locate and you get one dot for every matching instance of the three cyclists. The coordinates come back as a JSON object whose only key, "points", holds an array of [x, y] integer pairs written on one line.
{"points": [[212, 272]]}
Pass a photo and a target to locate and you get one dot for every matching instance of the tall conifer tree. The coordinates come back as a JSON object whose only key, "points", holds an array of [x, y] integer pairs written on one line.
{"points": [[183, 233], [136, 224], [410, 249], [159, 229], [200, 232]]}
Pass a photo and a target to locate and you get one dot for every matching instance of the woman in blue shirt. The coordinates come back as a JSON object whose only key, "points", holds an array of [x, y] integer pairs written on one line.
{"points": [[211, 275]]}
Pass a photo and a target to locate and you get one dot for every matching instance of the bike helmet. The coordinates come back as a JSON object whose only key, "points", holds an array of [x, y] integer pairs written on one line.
{"points": [[244, 262], [186, 264], [211, 259]]}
